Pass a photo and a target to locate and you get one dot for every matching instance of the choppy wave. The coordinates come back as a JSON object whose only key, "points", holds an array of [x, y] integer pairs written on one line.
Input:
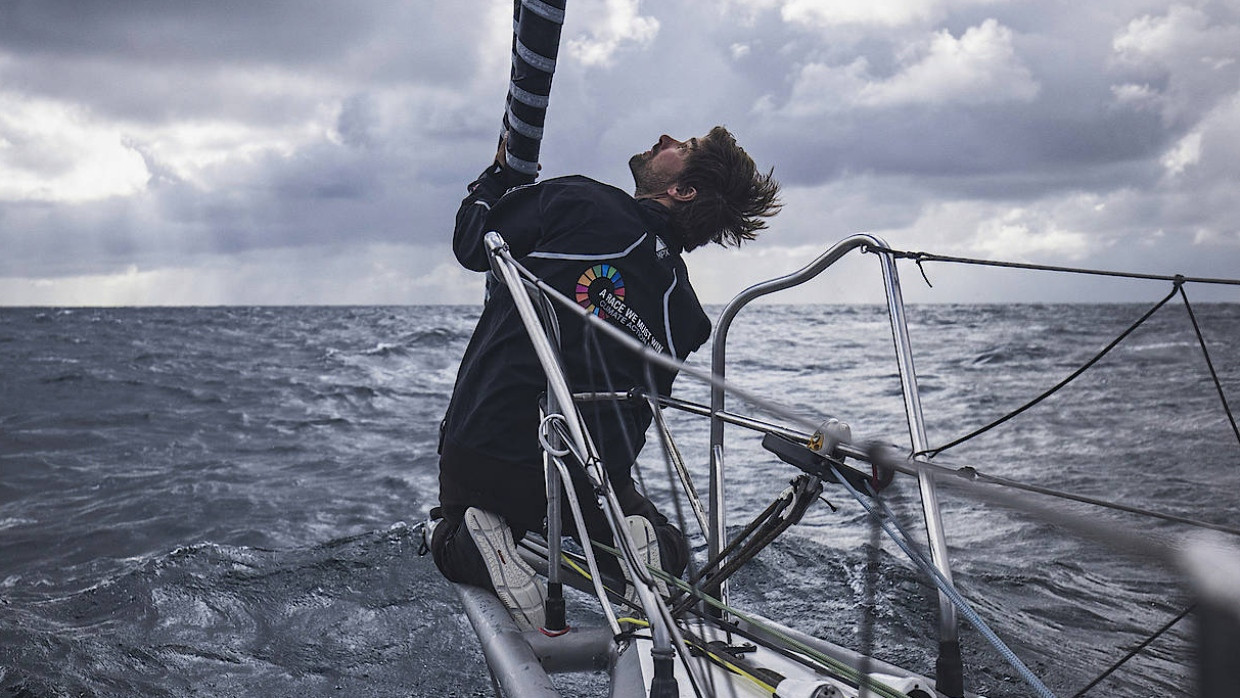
{"points": [[205, 501]]}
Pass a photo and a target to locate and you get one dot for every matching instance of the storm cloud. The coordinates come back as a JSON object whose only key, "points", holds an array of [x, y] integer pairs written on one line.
{"points": [[288, 152]]}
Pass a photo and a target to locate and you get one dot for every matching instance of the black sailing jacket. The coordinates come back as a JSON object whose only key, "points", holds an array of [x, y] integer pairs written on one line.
{"points": [[618, 258]]}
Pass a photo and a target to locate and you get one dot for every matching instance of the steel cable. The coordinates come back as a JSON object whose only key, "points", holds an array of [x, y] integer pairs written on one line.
{"points": [[930, 453]]}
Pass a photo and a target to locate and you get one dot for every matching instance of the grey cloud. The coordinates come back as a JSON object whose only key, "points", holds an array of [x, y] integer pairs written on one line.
{"points": [[325, 194], [266, 62], [409, 98]]}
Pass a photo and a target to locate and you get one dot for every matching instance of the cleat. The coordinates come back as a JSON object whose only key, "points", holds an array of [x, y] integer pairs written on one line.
{"points": [[512, 579]]}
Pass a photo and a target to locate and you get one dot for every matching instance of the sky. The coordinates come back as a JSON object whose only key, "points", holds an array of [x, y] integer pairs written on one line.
{"points": [[164, 152]]}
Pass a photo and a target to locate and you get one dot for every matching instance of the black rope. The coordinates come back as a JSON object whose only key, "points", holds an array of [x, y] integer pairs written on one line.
{"points": [[594, 351], [705, 572], [1073, 376], [1210, 364], [666, 448], [920, 257], [779, 516], [1135, 651]]}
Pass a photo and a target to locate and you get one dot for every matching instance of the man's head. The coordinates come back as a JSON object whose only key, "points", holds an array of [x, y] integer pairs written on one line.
{"points": [[714, 190]]}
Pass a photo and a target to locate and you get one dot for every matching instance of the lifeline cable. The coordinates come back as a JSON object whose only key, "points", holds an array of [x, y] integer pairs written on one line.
{"points": [[920, 257], [970, 473], [1142, 545], [1083, 499], [653, 357], [1178, 279]]}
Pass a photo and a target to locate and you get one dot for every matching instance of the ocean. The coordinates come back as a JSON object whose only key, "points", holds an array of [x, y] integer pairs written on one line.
{"points": [[220, 501]]}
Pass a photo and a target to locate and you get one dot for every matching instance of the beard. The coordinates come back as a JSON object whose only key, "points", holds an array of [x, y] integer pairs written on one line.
{"points": [[647, 181]]}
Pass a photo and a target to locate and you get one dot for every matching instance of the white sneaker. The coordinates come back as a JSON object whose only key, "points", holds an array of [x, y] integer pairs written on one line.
{"points": [[514, 580], [642, 532], [427, 530]]}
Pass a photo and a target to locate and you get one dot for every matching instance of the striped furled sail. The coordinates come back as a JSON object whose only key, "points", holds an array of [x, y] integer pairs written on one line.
{"points": [[535, 44]]}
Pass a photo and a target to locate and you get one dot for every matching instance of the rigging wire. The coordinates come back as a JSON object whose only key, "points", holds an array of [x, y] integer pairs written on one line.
{"points": [[668, 362], [970, 473], [930, 453], [1135, 650], [1005, 482], [1209, 364], [649, 354], [638, 574], [886, 518], [920, 257]]}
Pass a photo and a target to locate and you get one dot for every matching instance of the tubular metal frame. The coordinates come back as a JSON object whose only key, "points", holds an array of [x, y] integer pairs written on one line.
{"points": [[557, 389], [948, 623]]}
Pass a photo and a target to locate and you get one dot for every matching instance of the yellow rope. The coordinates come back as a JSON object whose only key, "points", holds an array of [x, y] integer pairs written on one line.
{"points": [[718, 659]]}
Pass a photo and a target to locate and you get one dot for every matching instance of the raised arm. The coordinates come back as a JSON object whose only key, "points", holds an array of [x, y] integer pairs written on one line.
{"points": [[493, 205]]}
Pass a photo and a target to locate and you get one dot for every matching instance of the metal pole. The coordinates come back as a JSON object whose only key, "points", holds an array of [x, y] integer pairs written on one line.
{"points": [[950, 670], [555, 609], [718, 510], [949, 675], [558, 390]]}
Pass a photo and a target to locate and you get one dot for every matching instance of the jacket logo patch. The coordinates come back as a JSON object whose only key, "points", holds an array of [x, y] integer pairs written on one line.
{"points": [[600, 290], [591, 284]]}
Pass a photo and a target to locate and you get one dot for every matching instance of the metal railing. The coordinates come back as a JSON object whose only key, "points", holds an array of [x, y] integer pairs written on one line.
{"points": [[950, 680]]}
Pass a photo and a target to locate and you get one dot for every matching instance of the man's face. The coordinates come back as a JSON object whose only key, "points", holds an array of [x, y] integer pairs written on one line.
{"points": [[657, 169]]}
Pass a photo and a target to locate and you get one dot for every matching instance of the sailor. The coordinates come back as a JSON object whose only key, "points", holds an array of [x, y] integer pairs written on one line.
{"points": [[619, 256]]}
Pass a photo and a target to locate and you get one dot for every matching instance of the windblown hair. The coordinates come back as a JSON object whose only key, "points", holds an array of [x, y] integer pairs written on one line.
{"points": [[732, 195]]}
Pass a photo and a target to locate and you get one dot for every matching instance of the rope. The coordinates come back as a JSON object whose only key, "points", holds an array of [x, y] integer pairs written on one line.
{"points": [[930, 453], [1209, 364], [949, 591], [787, 509], [1135, 651]]}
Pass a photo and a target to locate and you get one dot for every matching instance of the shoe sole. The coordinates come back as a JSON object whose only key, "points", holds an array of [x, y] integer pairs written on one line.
{"points": [[513, 580], [642, 532]]}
